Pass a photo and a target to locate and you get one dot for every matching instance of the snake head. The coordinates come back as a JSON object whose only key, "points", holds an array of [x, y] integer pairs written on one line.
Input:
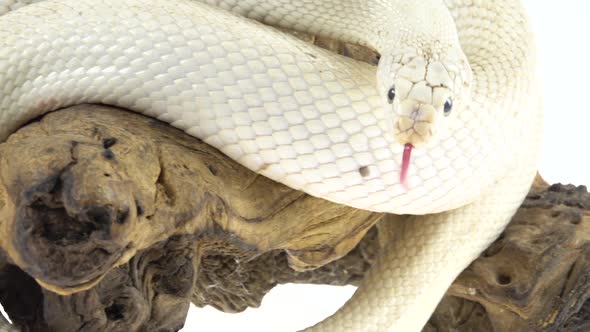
{"points": [[424, 92]]}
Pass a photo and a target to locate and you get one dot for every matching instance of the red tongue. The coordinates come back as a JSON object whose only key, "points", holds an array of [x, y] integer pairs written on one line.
{"points": [[403, 178]]}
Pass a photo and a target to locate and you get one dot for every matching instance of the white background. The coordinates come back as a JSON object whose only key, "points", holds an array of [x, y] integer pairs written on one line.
{"points": [[562, 33], [563, 29]]}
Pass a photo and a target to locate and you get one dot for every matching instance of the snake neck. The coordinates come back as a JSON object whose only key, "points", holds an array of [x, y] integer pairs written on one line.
{"points": [[497, 38], [498, 41]]}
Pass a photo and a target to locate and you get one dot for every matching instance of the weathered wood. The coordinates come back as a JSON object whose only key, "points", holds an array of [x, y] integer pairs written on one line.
{"points": [[535, 277], [87, 188]]}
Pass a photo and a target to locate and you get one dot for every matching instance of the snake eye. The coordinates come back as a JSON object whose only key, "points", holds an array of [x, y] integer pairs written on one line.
{"points": [[391, 95], [448, 107]]}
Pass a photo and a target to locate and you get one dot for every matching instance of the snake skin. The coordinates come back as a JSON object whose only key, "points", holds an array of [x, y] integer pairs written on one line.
{"points": [[304, 116]]}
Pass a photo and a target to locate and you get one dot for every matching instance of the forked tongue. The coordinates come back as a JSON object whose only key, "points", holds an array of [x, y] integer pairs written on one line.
{"points": [[403, 178]]}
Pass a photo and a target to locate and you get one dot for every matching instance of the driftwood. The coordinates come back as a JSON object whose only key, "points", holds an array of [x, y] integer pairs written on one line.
{"points": [[136, 219], [113, 221], [87, 188]]}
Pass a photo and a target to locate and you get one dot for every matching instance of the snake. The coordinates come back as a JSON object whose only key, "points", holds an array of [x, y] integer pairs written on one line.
{"points": [[443, 135]]}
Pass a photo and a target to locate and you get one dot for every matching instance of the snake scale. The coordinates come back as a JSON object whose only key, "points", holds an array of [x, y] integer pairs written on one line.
{"points": [[443, 134]]}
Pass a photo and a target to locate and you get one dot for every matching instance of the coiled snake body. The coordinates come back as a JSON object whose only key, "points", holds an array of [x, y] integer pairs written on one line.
{"points": [[455, 84]]}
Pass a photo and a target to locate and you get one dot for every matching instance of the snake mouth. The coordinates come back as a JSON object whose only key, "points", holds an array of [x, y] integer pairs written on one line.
{"points": [[407, 156]]}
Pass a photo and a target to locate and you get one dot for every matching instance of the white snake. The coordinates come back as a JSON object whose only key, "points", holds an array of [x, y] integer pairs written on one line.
{"points": [[315, 121]]}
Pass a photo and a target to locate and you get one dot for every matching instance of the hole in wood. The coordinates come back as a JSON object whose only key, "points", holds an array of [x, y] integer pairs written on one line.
{"points": [[108, 154], [122, 216], [504, 279], [115, 311], [576, 219], [108, 142]]}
